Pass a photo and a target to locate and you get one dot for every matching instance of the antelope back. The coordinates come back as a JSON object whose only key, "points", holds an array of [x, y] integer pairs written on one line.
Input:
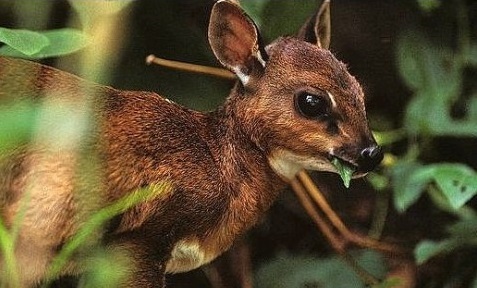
{"points": [[297, 101]]}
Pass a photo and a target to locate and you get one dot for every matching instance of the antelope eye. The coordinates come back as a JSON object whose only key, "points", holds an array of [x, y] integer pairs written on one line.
{"points": [[311, 105]]}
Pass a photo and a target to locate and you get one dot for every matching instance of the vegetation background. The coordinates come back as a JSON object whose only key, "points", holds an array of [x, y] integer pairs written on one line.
{"points": [[417, 61]]}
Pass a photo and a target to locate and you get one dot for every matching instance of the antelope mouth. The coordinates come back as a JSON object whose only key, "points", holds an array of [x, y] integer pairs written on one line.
{"points": [[344, 165]]}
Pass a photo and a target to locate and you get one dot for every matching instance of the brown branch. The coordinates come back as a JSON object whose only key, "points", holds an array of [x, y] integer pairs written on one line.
{"points": [[193, 68], [335, 220]]}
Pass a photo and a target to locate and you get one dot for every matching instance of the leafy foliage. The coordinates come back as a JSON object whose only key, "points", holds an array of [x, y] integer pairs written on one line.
{"points": [[294, 272], [37, 45], [436, 75]]}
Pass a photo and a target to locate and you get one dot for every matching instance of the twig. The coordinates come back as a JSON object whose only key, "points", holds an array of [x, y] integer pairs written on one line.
{"points": [[338, 245], [339, 225], [193, 68]]}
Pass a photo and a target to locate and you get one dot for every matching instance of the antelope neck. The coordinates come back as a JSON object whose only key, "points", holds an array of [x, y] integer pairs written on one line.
{"points": [[252, 183]]}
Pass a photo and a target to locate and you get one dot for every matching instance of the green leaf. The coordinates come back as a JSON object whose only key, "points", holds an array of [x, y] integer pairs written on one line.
{"points": [[106, 268], [98, 219], [61, 42], [254, 9], [24, 41], [427, 249], [273, 16], [458, 183], [465, 229], [346, 171], [437, 80], [429, 5], [462, 234], [408, 180], [288, 271], [410, 61], [16, 124]]}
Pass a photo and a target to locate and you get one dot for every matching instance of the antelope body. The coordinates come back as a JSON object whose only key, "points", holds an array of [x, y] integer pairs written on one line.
{"points": [[294, 107]]}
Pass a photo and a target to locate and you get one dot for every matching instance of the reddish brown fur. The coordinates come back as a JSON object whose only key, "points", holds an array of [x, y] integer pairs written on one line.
{"points": [[219, 164]]}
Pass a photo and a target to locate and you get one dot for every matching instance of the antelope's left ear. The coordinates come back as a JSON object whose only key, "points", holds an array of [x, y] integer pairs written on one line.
{"points": [[235, 41], [317, 29]]}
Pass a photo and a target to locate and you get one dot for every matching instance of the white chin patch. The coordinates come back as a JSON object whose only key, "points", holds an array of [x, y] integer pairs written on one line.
{"points": [[287, 164]]}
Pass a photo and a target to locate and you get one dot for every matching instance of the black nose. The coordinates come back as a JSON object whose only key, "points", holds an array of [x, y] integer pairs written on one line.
{"points": [[370, 157]]}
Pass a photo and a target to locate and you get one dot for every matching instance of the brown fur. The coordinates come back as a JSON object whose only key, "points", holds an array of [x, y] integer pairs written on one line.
{"points": [[218, 163]]}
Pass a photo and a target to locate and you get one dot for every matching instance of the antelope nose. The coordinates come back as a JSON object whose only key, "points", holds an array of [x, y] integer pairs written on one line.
{"points": [[370, 157]]}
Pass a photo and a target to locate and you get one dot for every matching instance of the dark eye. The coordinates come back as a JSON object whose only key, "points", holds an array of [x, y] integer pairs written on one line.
{"points": [[311, 105]]}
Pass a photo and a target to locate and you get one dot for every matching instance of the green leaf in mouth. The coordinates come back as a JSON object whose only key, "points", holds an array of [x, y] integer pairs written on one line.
{"points": [[346, 171]]}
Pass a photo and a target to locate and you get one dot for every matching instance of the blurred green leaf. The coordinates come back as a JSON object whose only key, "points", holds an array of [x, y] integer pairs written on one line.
{"points": [[389, 137], [389, 283], [296, 272], [61, 42], [429, 5], [410, 62], [90, 11], [277, 20], [458, 182], [409, 180], [17, 123], [434, 72], [378, 181], [98, 219], [24, 41], [465, 229], [96, 275], [254, 9], [462, 234], [427, 249]]}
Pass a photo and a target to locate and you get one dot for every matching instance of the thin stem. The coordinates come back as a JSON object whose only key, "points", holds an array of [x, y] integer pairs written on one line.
{"points": [[335, 220], [324, 227], [193, 68], [380, 215], [337, 244]]}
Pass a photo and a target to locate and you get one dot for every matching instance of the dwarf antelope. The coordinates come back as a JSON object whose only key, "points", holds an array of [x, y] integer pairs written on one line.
{"points": [[294, 107]]}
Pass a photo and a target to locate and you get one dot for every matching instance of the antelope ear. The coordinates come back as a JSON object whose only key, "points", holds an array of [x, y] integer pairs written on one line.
{"points": [[317, 30], [235, 40]]}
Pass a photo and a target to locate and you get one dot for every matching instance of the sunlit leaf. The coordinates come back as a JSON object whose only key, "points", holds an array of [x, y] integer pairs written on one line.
{"points": [[24, 41], [61, 42]]}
